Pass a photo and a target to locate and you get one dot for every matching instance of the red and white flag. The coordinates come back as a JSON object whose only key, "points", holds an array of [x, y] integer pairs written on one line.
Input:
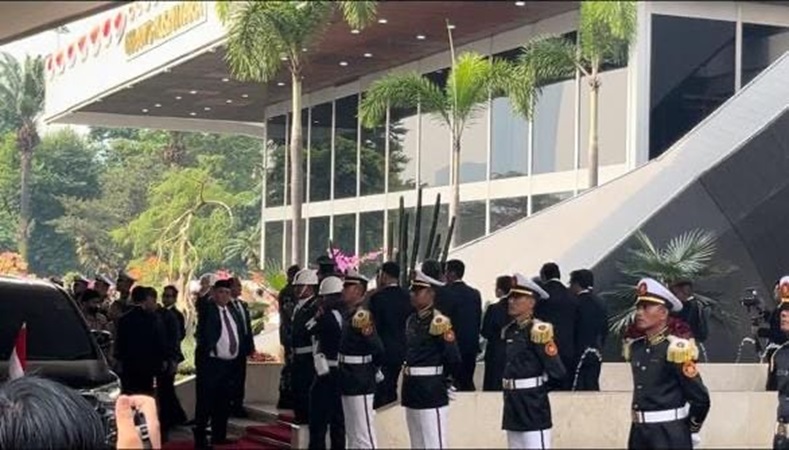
{"points": [[18, 361]]}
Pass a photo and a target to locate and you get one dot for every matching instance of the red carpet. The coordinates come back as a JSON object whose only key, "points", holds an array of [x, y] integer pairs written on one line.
{"points": [[243, 443], [275, 431]]}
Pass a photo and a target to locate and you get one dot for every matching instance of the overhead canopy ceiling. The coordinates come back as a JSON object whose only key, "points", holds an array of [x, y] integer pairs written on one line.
{"points": [[22, 19], [202, 87]]}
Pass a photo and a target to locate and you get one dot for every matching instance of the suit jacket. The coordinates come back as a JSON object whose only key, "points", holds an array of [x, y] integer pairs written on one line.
{"points": [[246, 338], [209, 329], [466, 315], [592, 326], [140, 344], [495, 319], [390, 308], [561, 310], [173, 332]]}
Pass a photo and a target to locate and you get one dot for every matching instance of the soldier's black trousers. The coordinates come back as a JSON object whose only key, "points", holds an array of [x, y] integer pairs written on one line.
{"points": [[326, 412], [780, 442], [302, 375], [660, 436]]}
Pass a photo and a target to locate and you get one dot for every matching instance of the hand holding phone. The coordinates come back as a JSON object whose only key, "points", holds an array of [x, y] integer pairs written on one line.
{"points": [[138, 422]]}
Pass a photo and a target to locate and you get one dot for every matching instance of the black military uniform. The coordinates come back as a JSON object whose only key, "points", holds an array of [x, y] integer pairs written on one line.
{"points": [[390, 307], [302, 366], [361, 356], [325, 405], [493, 322], [432, 356], [779, 373], [590, 333], [670, 401]]}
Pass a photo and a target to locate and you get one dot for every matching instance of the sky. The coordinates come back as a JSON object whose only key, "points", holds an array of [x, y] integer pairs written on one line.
{"points": [[44, 43]]}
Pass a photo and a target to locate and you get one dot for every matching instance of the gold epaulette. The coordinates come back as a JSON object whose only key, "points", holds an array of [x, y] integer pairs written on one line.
{"points": [[681, 350], [626, 348], [361, 319], [440, 324], [541, 332]]}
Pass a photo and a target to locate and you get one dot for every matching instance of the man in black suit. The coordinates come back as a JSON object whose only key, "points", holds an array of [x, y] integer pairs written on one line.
{"points": [[390, 306], [218, 346], [171, 413], [561, 310], [247, 347], [466, 320], [140, 349], [590, 332], [494, 320]]}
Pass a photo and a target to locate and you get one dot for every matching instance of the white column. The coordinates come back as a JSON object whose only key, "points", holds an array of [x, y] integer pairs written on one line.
{"points": [[638, 87], [738, 50]]}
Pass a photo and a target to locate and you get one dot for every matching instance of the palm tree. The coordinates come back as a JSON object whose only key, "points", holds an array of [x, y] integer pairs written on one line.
{"points": [[605, 31], [264, 36], [687, 256], [21, 105], [472, 79]]}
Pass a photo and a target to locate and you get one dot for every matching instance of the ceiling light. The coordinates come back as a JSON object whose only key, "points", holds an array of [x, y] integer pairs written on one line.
{"points": [[228, 101], [207, 108], [212, 50], [368, 55], [178, 97], [343, 63], [193, 114], [355, 31], [304, 49], [244, 95], [450, 26], [167, 70], [283, 58], [382, 21], [520, 3], [421, 37], [144, 110], [158, 105], [280, 84], [193, 92], [225, 80]]}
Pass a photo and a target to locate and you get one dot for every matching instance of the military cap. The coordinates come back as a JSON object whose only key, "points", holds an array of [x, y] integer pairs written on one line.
{"points": [[306, 277], [325, 260], [330, 285], [783, 293], [354, 277], [526, 286], [652, 291], [422, 281]]}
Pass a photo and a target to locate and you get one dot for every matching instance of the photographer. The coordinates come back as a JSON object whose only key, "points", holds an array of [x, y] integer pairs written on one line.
{"points": [[693, 312]]}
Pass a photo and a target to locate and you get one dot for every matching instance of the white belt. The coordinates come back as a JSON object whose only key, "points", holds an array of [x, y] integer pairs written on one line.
{"points": [[352, 359], [331, 362], [668, 415], [302, 350], [523, 383], [424, 371]]}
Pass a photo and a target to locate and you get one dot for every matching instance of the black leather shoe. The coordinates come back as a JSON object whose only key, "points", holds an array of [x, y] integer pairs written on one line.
{"points": [[239, 413]]}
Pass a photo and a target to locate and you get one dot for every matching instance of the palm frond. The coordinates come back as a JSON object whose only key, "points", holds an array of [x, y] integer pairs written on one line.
{"points": [[358, 14], [468, 86], [606, 30], [542, 61], [254, 48], [401, 91]]}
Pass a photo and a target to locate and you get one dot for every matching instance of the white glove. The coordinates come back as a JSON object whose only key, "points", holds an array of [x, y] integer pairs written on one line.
{"points": [[451, 393], [695, 439], [379, 376], [321, 365]]}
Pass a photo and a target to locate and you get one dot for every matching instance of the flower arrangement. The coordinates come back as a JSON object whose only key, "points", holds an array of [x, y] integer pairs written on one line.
{"points": [[347, 261]]}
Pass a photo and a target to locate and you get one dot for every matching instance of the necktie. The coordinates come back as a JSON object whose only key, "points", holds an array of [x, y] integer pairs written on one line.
{"points": [[230, 334]]}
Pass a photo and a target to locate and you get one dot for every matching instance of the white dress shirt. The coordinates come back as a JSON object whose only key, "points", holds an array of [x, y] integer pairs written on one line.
{"points": [[223, 344]]}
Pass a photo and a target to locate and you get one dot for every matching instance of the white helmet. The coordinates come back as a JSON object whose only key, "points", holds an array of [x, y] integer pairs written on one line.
{"points": [[306, 277], [330, 285]]}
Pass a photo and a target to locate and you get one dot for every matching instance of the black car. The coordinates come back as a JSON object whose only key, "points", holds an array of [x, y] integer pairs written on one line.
{"points": [[60, 346]]}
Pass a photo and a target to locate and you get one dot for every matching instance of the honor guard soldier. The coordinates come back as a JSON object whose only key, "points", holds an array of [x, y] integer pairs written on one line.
{"points": [[326, 329], [431, 356], [303, 368], [779, 370], [361, 356], [532, 357], [670, 401]]}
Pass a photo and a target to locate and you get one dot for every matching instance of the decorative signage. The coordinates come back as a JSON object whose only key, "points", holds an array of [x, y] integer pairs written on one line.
{"points": [[163, 27]]}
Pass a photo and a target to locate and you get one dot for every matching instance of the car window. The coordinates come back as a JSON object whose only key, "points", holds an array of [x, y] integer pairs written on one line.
{"points": [[55, 330]]}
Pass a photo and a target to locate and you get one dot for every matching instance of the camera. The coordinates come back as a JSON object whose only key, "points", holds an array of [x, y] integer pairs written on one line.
{"points": [[751, 299]]}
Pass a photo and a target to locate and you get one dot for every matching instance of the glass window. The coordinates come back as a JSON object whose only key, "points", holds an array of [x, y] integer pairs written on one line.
{"points": [[442, 224], [761, 46], [371, 239], [373, 158], [612, 119], [510, 136], [474, 148], [471, 221], [554, 125], [273, 244], [543, 201], [505, 211], [692, 74], [394, 226], [320, 153], [435, 142], [305, 123], [276, 131], [319, 237], [345, 233], [345, 147], [402, 149], [288, 234]]}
